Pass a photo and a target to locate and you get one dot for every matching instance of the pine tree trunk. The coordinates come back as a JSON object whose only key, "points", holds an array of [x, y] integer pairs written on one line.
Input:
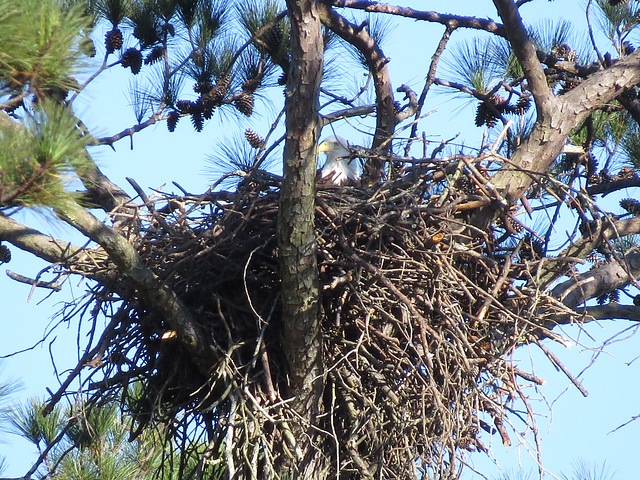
{"points": [[302, 341]]}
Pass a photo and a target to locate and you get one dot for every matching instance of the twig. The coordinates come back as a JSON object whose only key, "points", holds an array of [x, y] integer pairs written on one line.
{"points": [[559, 365]]}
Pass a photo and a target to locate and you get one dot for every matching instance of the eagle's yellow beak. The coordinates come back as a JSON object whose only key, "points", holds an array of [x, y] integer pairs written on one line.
{"points": [[323, 147]]}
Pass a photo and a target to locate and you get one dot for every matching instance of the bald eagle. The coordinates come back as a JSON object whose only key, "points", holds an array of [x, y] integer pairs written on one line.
{"points": [[339, 168]]}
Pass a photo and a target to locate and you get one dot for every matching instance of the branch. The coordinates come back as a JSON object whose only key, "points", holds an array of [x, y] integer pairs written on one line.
{"points": [[549, 135], [128, 132], [560, 366], [452, 21], [346, 113], [610, 311], [412, 108], [103, 192], [526, 54], [377, 64], [613, 186], [573, 68], [53, 285], [431, 75], [621, 228], [50, 249], [598, 281], [139, 276], [605, 230]]}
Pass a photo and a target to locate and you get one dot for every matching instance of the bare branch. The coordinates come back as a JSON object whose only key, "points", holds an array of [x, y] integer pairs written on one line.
{"points": [[128, 132], [452, 21], [48, 248], [346, 113], [610, 311], [53, 285], [377, 63], [599, 280], [124, 255], [527, 56], [613, 186], [431, 75]]}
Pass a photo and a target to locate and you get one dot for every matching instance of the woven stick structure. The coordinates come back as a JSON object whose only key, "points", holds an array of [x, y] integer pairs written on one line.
{"points": [[420, 313]]}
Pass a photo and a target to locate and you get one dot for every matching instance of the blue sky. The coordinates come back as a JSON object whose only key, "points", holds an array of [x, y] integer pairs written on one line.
{"points": [[575, 429]]}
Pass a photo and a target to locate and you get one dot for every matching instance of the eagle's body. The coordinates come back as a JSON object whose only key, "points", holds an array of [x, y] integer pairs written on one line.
{"points": [[339, 168]]}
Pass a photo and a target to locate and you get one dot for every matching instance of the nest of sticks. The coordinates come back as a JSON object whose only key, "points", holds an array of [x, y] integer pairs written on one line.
{"points": [[419, 313]]}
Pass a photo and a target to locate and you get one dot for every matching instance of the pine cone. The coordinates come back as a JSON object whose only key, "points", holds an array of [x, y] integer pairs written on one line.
{"points": [[272, 39], [253, 138], [482, 115], [154, 55], [185, 106], [627, 48], [524, 102], [244, 103], [132, 58], [113, 40], [218, 92], [251, 84], [198, 58], [594, 179], [207, 106], [198, 122], [202, 87], [514, 225], [5, 254], [631, 205], [626, 172], [172, 120], [564, 51]]}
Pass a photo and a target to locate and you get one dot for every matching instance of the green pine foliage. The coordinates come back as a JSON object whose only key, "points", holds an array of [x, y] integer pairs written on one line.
{"points": [[7, 388], [30, 422], [617, 21], [38, 158], [474, 64], [41, 56], [114, 11], [92, 443], [275, 41]]}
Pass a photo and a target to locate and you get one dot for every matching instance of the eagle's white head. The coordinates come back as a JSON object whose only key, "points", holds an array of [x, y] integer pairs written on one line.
{"points": [[339, 168]]}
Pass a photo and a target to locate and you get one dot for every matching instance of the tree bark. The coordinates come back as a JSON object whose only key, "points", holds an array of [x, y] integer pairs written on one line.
{"points": [[302, 341], [598, 281]]}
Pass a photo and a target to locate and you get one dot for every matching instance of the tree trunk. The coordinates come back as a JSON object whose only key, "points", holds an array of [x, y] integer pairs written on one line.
{"points": [[302, 340]]}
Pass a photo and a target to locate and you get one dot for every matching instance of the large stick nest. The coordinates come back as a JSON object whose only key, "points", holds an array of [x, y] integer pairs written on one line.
{"points": [[419, 314]]}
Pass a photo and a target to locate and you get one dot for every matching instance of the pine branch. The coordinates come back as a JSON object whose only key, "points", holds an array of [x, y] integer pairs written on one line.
{"points": [[48, 248], [377, 64], [526, 54], [451, 21], [550, 132], [610, 311], [346, 113], [128, 132], [613, 186], [140, 277], [599, 280]]}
